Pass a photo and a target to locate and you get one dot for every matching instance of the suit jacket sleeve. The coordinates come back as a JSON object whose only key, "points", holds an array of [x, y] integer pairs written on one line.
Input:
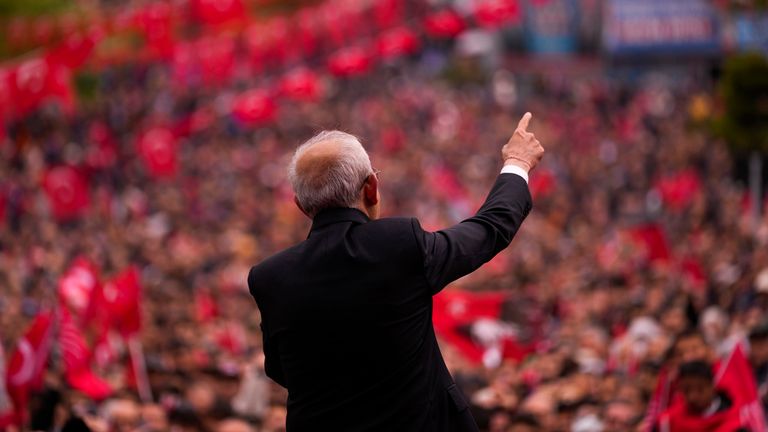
{"points": [[459, 250], [272, 366]]}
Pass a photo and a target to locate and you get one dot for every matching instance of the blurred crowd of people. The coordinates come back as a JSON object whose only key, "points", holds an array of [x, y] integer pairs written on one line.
{"points": [[603, 306]]}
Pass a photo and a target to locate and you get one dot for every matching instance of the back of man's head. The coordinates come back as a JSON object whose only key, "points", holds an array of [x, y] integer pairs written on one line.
{"points": [[329, 171]]}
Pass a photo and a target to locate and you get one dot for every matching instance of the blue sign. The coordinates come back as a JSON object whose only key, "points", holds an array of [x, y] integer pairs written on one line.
{"points": [[678, 27]]}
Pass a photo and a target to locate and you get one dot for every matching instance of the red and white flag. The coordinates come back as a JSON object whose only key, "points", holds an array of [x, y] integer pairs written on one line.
{"points": [[470, 322], [737, 378], [351, 61], [444, 24], [67, 191], [77, 285], [215, 58], [77, 360], [102, 146], [27, 363], [121, 301], [156, 22], [497, 13], [157, 148], [75, 49], [388, 13], [29, 84], [254, 107], [301, 84], [397, 42], [218, 11]]}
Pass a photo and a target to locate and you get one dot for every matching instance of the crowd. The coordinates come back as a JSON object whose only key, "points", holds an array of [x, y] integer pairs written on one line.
{"points": [[640, 253]]}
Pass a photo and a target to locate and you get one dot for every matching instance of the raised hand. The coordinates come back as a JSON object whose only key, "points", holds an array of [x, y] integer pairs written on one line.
{"points": [[522, 149]]}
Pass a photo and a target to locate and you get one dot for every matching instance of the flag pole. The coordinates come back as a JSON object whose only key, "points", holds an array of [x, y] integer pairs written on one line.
{"points": [[136, 352]]}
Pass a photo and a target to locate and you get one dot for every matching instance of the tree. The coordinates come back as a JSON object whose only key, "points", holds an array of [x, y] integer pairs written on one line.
{"points": [[744, 123]]}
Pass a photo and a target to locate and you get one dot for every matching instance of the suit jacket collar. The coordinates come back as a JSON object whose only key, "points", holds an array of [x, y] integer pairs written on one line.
{"points": [[335, 215]]}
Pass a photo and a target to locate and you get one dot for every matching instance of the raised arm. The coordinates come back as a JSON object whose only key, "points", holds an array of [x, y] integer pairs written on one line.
{"points": [[459, 250]]}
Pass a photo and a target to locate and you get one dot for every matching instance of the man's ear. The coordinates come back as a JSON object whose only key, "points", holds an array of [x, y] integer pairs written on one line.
{"points": [[371, 191], [296, 201]]}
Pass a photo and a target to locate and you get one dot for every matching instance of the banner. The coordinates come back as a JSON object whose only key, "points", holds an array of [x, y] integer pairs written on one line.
{"points": [[660, 27], [551, 27]]}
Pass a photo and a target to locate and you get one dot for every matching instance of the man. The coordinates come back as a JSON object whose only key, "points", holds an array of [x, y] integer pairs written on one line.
{"points": [[706, 408], [347, 313]]}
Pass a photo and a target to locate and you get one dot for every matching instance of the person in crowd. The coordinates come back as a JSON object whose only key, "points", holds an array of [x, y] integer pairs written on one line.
{"points": [[706, 408]]}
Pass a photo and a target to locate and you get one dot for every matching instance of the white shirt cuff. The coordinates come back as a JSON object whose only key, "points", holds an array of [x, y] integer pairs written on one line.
{"points": [[514, 169]]}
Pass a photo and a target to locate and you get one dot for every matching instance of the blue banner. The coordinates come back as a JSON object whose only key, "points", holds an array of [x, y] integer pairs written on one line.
{"points": [[678, 27]]}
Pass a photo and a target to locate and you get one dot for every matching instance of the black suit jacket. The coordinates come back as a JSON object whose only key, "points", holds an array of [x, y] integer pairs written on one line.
{"points": [[347, 315]]}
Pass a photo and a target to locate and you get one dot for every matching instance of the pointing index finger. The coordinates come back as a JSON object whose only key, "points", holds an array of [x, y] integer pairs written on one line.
{"points": [[523, 124]]}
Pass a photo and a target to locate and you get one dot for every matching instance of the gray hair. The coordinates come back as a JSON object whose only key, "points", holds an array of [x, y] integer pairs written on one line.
{"points": [[337, 186]]}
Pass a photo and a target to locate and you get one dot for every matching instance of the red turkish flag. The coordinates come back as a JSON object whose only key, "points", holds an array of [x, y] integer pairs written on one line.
{"points": [[651, 237], [496, 13], [195, 122], [77, 285], [542, 184], [75, 49], [254, 107], [216, 58], [454, 311], [59, 87], [206, 308], [77, 361], [27, 363], [445, 181], [284, 44], [121, 300], [29, 84], [156, 22], [737, 378], [334, 27], [102, 147], [257, 45], [218, 11], [39, 79], [67, 191], [308, 27], [388, 13], [397, 42], [301, 84], [349, 62], [183, 63], [444, 24], [678, 190], [157, 148]]}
